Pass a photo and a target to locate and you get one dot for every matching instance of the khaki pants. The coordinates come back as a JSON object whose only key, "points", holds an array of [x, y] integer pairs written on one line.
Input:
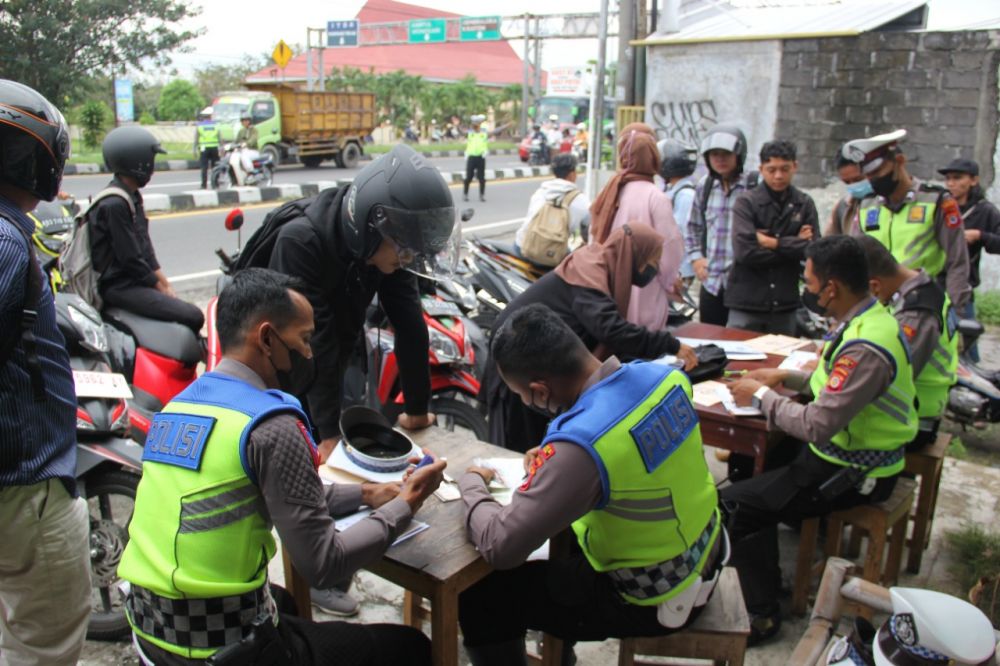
{"points": [[44, 575]]}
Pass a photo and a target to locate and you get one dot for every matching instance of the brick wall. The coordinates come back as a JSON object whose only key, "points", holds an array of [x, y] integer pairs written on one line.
{"points": [[940, 86]]}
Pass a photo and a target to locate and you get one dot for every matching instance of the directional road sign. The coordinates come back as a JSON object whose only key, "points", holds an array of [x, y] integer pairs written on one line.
{"points": [[342, 33], [281, 54], [479, 28], [427, 31]]}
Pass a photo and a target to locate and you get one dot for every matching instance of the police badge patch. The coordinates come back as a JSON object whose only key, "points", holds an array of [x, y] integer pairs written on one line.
{"points": [[904, 629], [952, 215], [917, 214]]}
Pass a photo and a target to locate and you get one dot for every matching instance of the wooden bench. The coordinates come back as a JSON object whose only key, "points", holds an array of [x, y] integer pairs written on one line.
{"points": [[881, 522], [719, 634], [926, 465]]}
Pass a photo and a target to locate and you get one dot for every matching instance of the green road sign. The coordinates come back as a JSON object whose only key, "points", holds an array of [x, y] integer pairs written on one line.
{"points": [[479, 28], [427, 31]]}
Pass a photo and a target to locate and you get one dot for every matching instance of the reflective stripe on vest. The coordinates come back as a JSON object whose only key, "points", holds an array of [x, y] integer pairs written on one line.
{"points": [[657, 494], [197, 529], [477, 144], [939, 374], [208, 136], [888, 422], [910, 234]]}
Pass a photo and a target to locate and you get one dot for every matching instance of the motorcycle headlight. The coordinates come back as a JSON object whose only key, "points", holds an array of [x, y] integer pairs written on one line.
{"points": [[90, 328], [443, 347], [467, 343]]}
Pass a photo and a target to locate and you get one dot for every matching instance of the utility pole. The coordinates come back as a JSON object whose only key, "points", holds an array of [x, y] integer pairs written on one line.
{"points": [[624, 78], [597, 105], [538, 58], [527, 79]]}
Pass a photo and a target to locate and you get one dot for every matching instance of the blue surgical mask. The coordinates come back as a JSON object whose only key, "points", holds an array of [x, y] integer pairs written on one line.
{"points": [[860, 189]]}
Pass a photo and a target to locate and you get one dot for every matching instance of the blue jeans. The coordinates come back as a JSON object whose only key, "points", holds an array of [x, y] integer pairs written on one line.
{"points": [[969, 312]]}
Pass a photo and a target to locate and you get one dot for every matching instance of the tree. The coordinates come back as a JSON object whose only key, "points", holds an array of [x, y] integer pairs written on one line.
{"points": [[179, 100], [215, 78], [94, 116], [54, 45]]}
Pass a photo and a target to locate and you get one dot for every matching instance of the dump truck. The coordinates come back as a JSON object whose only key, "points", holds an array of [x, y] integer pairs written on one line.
{"points": [[296, 124]]}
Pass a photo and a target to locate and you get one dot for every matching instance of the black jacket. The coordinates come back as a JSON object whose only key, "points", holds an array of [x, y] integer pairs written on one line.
{"points": [[763, 280], [120, 247], [340, 289], [983, 215]]}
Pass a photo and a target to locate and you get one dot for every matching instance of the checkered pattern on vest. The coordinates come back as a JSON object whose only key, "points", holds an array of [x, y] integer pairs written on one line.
{"points": [[657, 579], [198, 623], [864, 457]]}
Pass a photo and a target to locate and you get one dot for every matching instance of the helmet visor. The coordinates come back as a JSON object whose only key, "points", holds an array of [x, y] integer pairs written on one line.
{"points": [[424, 232]]}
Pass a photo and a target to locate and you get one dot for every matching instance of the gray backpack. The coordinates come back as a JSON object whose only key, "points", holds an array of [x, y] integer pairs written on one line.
{"points": [[76, 266]]}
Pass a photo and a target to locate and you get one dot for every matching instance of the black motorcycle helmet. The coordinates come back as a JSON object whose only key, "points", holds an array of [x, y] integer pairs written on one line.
{"points": [[398, 196], [725, 137], [34, 140], [132, 151], [676, 159]]}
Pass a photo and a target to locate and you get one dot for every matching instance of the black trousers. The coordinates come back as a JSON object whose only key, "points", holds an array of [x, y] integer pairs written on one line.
{"points": [[152, 303], [786, 495], [209, 157], [475, 167], [712, 308], [321, 643]]}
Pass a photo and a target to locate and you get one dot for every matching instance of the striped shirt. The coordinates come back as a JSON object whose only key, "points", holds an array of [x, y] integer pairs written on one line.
{"points": [[709, 235], [37, 439]]}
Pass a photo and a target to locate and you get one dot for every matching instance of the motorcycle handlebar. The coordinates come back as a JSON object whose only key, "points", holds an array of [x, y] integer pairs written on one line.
{"points": [[227, 262]]}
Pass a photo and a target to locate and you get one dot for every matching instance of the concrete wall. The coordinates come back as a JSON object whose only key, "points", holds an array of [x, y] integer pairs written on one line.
{"points": [[691, 87], [940, 86]]}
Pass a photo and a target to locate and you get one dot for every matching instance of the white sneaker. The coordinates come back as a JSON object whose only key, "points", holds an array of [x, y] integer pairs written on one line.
{"points": [[334, 602]]}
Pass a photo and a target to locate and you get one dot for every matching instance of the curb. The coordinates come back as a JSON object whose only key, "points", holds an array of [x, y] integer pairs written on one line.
{"points": [[195, 199], [186, 165]]}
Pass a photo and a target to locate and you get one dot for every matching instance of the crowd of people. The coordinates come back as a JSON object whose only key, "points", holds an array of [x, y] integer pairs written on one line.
{"points": [[612, 446]]}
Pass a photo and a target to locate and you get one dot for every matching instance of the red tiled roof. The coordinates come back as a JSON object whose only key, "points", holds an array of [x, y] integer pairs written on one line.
{"points": [[491, 62]]}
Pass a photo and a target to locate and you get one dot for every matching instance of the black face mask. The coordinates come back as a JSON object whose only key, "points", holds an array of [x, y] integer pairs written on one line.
{"points": [[301, 374], [645, 276], [811, 301], [546, 411], [885, 185]]}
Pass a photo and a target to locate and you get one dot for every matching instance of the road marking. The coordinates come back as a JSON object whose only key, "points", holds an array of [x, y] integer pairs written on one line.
{"points": [[185, 184]]}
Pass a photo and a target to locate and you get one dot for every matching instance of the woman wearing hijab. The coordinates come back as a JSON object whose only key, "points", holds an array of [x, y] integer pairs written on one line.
{"points": [[591, 291], [632, 197]]}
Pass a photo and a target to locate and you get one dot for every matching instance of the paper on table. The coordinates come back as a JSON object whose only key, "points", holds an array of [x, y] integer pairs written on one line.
{"points": [[448, 492], [730, 404], [706, 394], [780, 345], [509, 473], [339, 460], [797, 360], [735, 350], [346, 522]]}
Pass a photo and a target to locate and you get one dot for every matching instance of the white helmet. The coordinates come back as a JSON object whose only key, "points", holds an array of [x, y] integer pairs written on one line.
{"points": [[553, 118]]}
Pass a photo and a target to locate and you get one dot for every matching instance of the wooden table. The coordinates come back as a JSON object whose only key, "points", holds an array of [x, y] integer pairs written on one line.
{"points": [[747, 435], [439, 563]]}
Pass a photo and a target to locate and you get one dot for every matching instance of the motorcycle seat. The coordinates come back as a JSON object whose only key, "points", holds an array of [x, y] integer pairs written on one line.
{"points": [[509, 248], [165, 338]]}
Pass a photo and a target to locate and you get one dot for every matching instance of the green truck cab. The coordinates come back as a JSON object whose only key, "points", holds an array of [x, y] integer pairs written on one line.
{"points": [[296, 124]]}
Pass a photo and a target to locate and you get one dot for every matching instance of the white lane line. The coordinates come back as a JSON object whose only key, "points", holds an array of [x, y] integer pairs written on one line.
{"points": [[184, 184]]}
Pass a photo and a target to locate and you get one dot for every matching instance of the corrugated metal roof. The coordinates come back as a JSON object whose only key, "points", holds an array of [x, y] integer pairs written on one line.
{"points": [[716, 20]]}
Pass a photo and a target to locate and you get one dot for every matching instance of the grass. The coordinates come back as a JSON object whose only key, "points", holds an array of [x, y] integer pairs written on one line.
{"points": [[977, 556], [957, 449], [434, 147], [175, 151], [988, 307]]}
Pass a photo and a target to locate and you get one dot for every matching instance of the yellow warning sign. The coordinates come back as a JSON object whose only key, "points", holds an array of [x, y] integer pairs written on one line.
{"points": [[282, 54]]}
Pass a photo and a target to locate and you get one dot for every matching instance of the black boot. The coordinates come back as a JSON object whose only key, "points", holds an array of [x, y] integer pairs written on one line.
{"points": [[508, 653]]}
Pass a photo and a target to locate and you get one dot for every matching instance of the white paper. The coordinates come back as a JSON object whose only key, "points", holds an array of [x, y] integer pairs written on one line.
{"points": [[339, 460], [735, 350], [706, 393], [797, 360], [101, 385], [448, 492], [346, 522], [780, 345], [730, 404]]}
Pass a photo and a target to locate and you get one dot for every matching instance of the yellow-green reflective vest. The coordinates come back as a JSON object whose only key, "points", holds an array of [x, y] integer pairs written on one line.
{"points": [[659, 501], [477, 143], [939, 374], [888, 422], [197, 531], [909, 234], [208, 136]]}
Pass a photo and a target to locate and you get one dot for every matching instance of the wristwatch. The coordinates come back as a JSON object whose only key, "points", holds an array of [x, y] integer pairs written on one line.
{"points": [[758, 396]]}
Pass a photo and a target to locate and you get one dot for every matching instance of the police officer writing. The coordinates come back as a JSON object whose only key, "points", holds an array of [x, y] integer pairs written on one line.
{"points": [[929, 324], [624, 467], [229, 458], [919, 223], [207, 143], [859, 419]]}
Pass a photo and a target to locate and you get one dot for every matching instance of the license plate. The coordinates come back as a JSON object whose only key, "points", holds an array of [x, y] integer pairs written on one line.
{"points": [[101, 385], [436, 308]]}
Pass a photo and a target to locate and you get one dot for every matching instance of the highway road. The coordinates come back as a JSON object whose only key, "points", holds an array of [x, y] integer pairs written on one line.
{"points": [[173, 182]]}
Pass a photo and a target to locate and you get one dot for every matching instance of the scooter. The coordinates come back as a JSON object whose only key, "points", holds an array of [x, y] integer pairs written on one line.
{"points": [[975, 398], [231, 170]]}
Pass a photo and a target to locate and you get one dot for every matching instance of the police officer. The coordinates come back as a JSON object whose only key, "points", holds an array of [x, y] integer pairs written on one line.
{"points": [[919, 223], [624, 467], [227, 460], [207, 141], [929, 324], [476, 146], [861, 415]]}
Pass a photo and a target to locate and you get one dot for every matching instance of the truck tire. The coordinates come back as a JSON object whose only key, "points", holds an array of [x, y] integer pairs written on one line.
{"points": [[272, 151], [312, 161], [350, 156]]}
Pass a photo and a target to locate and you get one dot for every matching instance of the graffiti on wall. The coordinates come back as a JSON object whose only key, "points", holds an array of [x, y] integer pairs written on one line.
{"points": [[686, 122]]}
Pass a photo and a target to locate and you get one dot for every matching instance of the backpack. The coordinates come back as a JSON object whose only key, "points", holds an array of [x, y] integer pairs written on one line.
{"points": [[257, 251], [546, 240], [76, 265]]}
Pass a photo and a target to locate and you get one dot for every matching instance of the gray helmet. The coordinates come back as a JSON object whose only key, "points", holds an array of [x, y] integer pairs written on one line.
{"points": [[725, 137], [676, 158], [34, 140], [132, 151], [402, 197], [246, 116]]}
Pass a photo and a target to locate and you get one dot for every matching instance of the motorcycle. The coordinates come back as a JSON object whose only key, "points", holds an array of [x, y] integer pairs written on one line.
{"points": [[975, 397], [231, 169], [537, 153]]}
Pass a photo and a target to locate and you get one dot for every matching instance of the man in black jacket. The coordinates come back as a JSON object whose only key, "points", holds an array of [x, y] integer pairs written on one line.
{"points": [[772, 224]]}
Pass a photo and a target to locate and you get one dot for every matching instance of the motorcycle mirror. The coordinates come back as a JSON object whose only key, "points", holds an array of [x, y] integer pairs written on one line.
{"points": [[234, 220], [467, 214], [970, 328]]}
